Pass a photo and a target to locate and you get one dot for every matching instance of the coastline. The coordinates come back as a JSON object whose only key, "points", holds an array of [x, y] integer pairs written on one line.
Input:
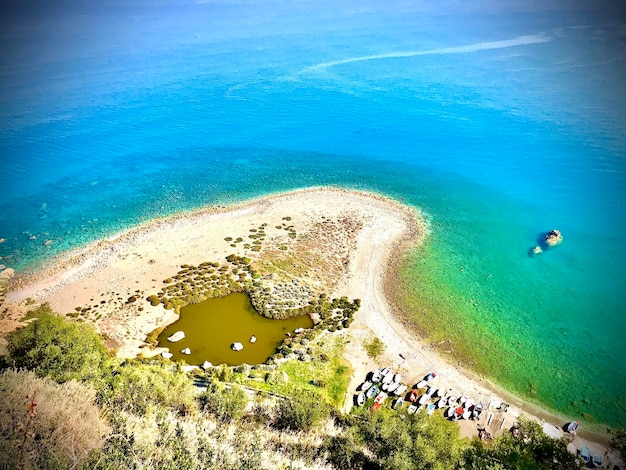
{"points": [[138, 259]]}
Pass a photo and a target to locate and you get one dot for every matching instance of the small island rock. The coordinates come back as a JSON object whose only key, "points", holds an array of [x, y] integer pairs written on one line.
{"points": [[253, 339], [236, 346], [554, 237], [176, 337]]}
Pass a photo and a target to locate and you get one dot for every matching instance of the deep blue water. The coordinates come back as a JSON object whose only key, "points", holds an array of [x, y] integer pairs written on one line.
{"points": [[500, 122]]}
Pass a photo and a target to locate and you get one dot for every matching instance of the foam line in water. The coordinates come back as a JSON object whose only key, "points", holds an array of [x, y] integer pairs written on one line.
{"points": [[481, 46]]}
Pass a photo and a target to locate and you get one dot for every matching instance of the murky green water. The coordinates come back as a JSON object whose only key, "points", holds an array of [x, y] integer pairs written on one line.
{"points": [[212, 326]]}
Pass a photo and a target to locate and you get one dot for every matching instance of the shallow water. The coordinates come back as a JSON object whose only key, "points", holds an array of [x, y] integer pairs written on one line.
{"points": [[212, 326], [500, 125]]}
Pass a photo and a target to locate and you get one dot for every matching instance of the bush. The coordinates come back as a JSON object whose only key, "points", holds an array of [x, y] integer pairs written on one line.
{"points": [[140, 388], [227, 404], [60, 349], [374, 347], [63, 429], [305, 410]]}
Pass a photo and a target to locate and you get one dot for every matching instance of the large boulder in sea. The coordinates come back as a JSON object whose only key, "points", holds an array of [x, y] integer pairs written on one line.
{"points": [[554, 237]]}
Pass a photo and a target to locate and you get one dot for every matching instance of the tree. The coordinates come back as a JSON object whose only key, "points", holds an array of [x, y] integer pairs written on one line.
{"points": [[528, 448], [58, 348], [305, 410], [60, 427]]}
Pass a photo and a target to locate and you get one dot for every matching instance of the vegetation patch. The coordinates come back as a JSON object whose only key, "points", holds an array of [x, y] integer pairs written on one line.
{"points": [[374, 347]]}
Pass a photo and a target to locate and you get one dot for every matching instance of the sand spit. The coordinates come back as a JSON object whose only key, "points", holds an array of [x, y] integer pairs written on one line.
{"points": [[368, 234]]}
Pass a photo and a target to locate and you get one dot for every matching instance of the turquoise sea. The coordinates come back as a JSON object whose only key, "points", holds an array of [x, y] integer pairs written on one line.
{"points": [[500, 120]]}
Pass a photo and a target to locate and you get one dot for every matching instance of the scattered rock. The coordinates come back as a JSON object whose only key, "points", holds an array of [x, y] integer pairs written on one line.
{"points": [[2, 240], [253, 339], [185, 351], [176, 337], [236, 346], [537, 250], [206, 365], [166, 355], [47, 243], [7, 273]]}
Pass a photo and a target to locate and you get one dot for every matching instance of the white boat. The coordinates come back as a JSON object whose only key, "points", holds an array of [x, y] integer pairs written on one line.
{"points": [[477, 410], [421, 384], [411, 409], [462, 400], [442, 402], [467, 414], [385, 372], [430, 376], [401, 390], [423, 399], [387, 379], [397, 378], [430, 391], [449, 413], [376, 376], [397, 403], [360, 399], [365, 385], [373, 390], [393, 386]]}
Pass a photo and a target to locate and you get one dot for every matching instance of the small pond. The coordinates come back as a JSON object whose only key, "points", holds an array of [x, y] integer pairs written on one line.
{"points": [[212, 326]]}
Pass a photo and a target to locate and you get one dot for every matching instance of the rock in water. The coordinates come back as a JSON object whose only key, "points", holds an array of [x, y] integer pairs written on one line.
{"points": [[206, 365], [166, 355], [186, 351], [537, 250], [253, 339], [236, 346], [554, 237], [176, 337]]}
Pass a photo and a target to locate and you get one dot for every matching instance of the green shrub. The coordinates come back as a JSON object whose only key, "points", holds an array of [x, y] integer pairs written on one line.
{"points": [[305, 410], [58, 348], [374, 347], [139, 388], [226, 403]]}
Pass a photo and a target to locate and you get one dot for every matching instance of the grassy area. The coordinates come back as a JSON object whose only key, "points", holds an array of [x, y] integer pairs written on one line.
{"points": [[326, 372]]}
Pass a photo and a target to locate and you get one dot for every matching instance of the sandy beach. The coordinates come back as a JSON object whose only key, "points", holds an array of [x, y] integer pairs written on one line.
{"points": [[114, 277]]}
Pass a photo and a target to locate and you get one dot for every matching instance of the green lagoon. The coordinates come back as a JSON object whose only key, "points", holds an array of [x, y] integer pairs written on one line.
{"points": [[212, 326]]}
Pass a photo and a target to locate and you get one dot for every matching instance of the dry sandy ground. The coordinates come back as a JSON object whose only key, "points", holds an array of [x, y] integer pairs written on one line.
{"points": [[106, 274]]}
